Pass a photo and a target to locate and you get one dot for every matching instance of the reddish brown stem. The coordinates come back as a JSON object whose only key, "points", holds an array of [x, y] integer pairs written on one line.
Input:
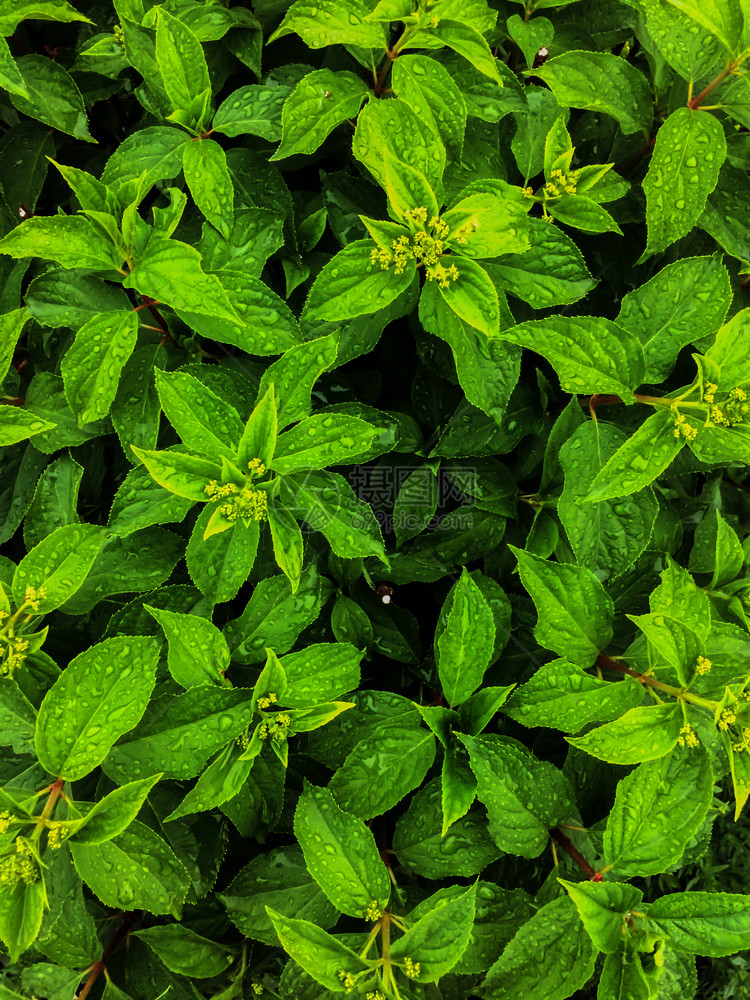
{"points": [[378, 88], [607, 661], [562, 841], [122, 931], [600, 400], [700, 98]]}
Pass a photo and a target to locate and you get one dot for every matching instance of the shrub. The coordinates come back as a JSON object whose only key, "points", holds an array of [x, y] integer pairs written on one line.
{"points": [[374, 593]]}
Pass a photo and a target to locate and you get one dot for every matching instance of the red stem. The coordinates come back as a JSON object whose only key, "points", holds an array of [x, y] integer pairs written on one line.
{"points": [[121, 932], [562, 841], [700, 98]]}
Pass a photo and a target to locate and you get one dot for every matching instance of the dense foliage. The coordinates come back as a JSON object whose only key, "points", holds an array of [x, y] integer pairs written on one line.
{"points": [[374, 597]]}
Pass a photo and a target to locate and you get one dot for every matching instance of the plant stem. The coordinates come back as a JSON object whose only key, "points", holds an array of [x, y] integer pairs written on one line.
{"points": [[121, 932], [679, 693], [699, 98], [562, 841]]}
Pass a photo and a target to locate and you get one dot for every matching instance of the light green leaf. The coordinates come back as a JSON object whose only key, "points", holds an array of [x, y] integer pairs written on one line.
{"points": [[603, 907], [185, 952], [183, 68], [94, 702], [463, 38], [689, 151], [322, 440], [198, 652], [563, 957], [599, 81], [92, 365], [438, 939], [471, 295], [53, 96], [589, 354], [464, 648], [320, 102], [352, 285], [114, 813], [429, 89], [209, 182], [185, 475], [640, 734], [319, 954], [704, 923], [607, 536], [320, 23], [205, 422], [659, 808], [136, 870], [71, 241], [58, 565], [638, 462], [561, 695], [18, 424], [574, 611], [340, 854]]}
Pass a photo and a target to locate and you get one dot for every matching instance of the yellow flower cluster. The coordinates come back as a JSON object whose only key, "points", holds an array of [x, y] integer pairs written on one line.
{"points": [[270, 699], [423, 247], [411, 968], [6, 819], [702, 666], [250, 504], [683, 429], [709, 391], [257, 989], [726, 719], [734, 411], [687, 736], [743, 743], [277, 729], [256, 467], [373, 912], [33, 596], [18, 867], [561, 184], [528, 192], [347, 979], [15, 654], [56, 833]]}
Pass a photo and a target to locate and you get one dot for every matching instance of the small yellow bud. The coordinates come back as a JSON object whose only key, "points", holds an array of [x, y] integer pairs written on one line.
{"points": [[687, 737], [726, 719]]}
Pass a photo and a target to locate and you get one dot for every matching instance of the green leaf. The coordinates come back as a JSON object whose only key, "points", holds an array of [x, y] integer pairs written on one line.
{"points": [[463, 38], [184, 70], [209, 182], [552, 272], [687, 46], [562, 951], [170, 272], [319, 954], [92, 365], [685, 301], [716, 550], [114, 813], [205, 422], [321, 672], [351, 285], [641, 734], [659, 808], [603, 907], [609, 536], [21, 912], [185, 952], [638, 462], [18, 424], [464, 648], [185, 475], [42, 10], [582, 213], [280, 880], [11, 328], [574, 611], [439, 938], [52, 96], [320, 102], [524, 797], [143, 159], [198, 652], [382, 769], [472, 296], [331, 22], [599, 81], [534, 123], [703, 923], [340, 854], [71, 241], [93, 703], [322, 440], [623, 978], [561, 695], [589, 354], [136, 870], [429, 89], [420, 841], [58, 565], [288, 543], [689, 151], [294, 375], [17, 717]]}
